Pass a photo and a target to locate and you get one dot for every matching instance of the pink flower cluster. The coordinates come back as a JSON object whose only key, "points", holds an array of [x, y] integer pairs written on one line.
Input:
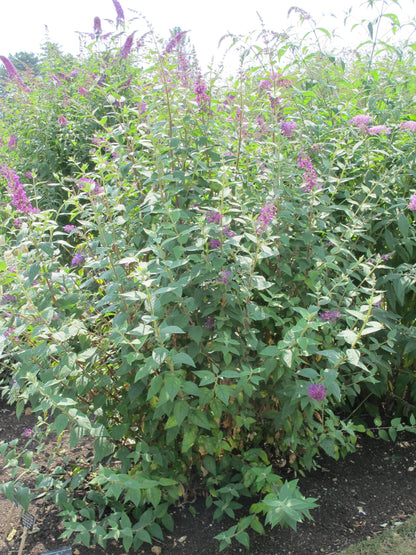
{"points": [[127, 46], [90, 186], [412, 203], [409, 125], [362, 121], [317, 391], [288, 128], [378, 129], [310, 176], [265, 217], [14, 74], [17, 192], [214, 217], [330, 315]]}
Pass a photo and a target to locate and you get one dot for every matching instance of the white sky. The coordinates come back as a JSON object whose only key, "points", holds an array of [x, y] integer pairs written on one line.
{"points": [[22, 22]]}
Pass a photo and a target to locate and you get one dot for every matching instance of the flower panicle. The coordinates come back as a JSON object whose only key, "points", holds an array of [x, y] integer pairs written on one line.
{"points": [[265, 217], [17, 192], [127, 46], [317, 391], [14, 74], [97, 26], [310, 176], [412, 203], [330, 315], [119, 12]]}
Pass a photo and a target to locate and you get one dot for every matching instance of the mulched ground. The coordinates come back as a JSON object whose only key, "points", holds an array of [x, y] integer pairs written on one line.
{"points": [[372, 487]]}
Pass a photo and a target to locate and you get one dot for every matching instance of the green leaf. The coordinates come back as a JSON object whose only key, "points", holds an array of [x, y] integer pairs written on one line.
{"points": [[270, 351], [259, 282], [180, 411], [172, 385], [328, 445], [383, 435], [372, 327], [167, 331], [257, 525], [180, 359], [243, 538], [34, 271], [399, 286], [144, 536], [206, 377], [287, 357], [24, 497], [353, 356], [308, 373], [256, 313], [159, 355], [102, 448], [210, 464], [195, 333], [8, 490], [154, 495], [189, 438], [223, 392], [60, 423], [349, 336], [200, 419], [403, 224]]}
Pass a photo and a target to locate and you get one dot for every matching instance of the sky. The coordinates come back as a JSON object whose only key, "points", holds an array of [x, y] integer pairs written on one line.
{"points": [[22, 22]]}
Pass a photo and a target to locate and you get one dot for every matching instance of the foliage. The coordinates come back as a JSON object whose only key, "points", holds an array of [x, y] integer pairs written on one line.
{"points": [[204, 278]]}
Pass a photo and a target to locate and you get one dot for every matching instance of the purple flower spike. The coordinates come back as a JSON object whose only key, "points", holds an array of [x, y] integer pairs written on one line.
{"points": [[378, 129], [28, 432], [63, 122], [175, 41], [9, 334], [200, 88], [310, 176], [90, 186], [330, 315], [362, 120], [265, 84], [409, 125], [11, 70], [78, 259], [17, 192], [209, 323], [224, 275], [12, 142], [97, 26], [265, 217], [119, 12], [214, 244], [213, 217], [228, 231], [13, 73], [288, 128], [68, 228], [8, 298], [125, 51], [317, 391]]}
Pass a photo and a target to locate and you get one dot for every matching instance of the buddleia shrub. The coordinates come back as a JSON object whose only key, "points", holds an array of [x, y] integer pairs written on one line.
{"points": [[224, 286]]}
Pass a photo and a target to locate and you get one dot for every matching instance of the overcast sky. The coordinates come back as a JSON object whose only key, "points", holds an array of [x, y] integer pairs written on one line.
{"points": [[22, 22]]}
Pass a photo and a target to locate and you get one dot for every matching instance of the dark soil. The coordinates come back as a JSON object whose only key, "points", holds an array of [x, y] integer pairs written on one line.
{"points": [[372, 488]]}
